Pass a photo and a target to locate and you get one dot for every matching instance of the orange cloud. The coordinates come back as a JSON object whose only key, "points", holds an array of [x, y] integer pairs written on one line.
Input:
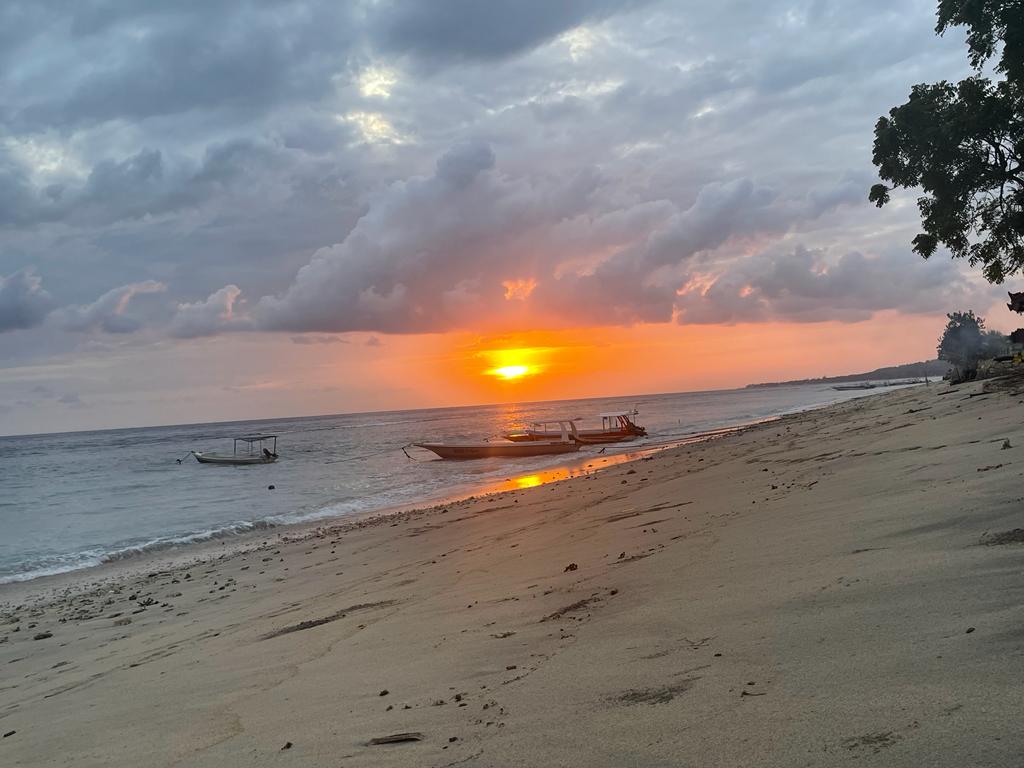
{"points": [[519, 289]]}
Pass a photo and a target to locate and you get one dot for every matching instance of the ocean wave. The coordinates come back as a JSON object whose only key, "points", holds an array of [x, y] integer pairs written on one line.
{"points": [[170, 542], [75, 561]]}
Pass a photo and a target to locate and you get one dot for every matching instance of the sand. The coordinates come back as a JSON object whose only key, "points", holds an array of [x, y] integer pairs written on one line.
{"points": [[823, 589]]}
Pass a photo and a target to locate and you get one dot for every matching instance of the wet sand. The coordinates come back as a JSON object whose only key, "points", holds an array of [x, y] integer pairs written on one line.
{"points": [[842, 585]]}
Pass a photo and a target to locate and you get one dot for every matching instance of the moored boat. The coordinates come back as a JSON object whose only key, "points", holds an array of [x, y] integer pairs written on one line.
{"points": [[616, 427], [253, 452], [565, 442]]}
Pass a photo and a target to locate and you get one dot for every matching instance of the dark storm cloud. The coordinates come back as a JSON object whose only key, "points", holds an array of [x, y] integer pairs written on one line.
{"points": [[453, 30], [23, 302], [141, 185], [133, 61]]}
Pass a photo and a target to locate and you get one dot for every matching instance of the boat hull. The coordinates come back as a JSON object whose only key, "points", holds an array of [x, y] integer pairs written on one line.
{"points": [[510, 450], [588, 436], [236, 461]]}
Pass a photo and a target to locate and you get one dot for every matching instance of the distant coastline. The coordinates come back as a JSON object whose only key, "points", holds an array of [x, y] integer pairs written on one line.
{"points": [[935, 368]]}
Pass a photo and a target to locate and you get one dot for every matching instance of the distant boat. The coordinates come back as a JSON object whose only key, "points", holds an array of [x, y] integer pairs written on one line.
{"points": [[616, 427], [880, 384], [253, 451], [563, 441]]}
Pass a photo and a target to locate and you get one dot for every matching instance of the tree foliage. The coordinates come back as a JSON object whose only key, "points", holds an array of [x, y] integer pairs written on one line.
{"points": [[990, 24], [994, 343], [963, 144], [962, 342]]}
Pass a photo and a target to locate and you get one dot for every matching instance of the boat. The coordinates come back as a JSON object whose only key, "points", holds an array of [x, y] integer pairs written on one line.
{"points": [[562, 441], [253, 451], [849, 387], [616, 427]]}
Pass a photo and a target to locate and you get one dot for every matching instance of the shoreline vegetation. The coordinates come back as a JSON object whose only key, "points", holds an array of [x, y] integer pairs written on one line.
{"points": [[927, 368], [839, 584]]}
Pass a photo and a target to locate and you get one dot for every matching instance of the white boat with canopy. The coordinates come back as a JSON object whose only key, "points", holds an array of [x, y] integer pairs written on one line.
{"points": [[253, 450]]}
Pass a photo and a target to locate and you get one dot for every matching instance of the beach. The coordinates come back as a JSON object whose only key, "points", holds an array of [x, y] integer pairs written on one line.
{"points": [[837, 585]]}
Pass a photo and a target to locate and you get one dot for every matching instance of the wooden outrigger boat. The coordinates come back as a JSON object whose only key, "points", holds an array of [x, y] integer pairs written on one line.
{"points": [[563, 441], [253, 452], [616, 427]]}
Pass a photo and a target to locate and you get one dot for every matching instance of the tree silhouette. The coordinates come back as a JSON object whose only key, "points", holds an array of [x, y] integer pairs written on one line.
{"points": [[962, 144]]}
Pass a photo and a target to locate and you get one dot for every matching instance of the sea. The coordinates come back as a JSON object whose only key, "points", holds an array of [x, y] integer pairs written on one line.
{"points": [[75, 500]]}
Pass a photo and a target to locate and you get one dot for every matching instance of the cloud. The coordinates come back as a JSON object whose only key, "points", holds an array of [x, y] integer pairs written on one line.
{"points": [[423, 255], [108, 312], [215, 314], [806, 286], [142, 185], [404, 167], [23, 302], [137, 62], [447, 31], [470, 244], [309, 339]]}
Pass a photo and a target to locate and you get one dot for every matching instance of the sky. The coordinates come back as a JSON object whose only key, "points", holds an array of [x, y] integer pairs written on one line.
{"points": [[215, 210]]}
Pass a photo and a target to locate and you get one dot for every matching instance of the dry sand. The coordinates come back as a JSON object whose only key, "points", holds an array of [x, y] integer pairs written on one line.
{"points": [[809, 592]]}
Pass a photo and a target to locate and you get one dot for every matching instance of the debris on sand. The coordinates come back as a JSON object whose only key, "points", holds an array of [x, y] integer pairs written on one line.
{"points": [[287, 745], [656, 695], [396, 738], [42, 636], [1006, 445], [570, 567], [1016, 536], [326, 619], [571, 608]]}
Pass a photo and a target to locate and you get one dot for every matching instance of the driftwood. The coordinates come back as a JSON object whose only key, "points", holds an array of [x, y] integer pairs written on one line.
{"points": [[397, 738]]}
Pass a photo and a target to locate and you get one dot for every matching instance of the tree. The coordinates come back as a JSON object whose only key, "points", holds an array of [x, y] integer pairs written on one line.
{"points": [[994, 344], [962, 343], [989, 23], [963, 144]]}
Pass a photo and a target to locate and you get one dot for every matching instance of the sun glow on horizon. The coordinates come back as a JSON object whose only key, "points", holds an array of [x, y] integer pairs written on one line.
{"points": [[510, 371], [513, 364]]}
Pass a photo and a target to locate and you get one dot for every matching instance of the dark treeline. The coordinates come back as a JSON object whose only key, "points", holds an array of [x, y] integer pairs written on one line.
{"points": [[936, 368]]}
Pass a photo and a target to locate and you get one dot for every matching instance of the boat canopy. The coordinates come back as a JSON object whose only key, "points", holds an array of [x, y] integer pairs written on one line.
{"points": [[251, 440], [565, 428]]}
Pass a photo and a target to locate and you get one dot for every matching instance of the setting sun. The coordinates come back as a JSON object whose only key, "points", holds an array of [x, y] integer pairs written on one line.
{"points": [[513, 363], [510, 371]]}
